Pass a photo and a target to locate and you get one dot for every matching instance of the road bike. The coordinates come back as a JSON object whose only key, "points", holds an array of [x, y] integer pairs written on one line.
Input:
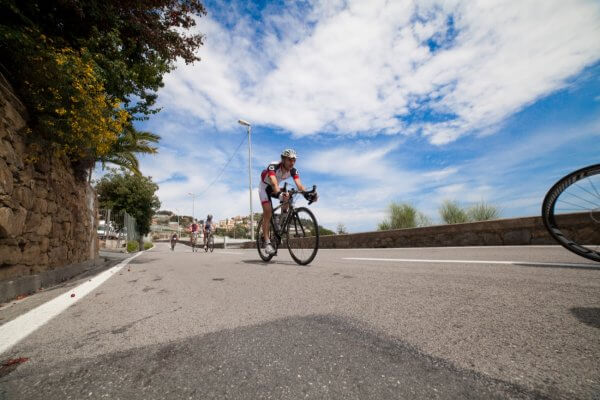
{"points": [[297, 229], [173, 243], [193, 241], [210, 243], [575, 199]]}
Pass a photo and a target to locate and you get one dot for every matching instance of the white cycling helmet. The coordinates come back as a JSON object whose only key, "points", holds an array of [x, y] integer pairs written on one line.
{"points": [[289, 153]]}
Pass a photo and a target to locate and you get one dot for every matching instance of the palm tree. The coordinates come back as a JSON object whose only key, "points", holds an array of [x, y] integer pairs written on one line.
{"points": [[125, 150]]}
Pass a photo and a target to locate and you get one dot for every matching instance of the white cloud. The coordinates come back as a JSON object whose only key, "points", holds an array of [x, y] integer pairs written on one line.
{"points": [[353, 67], [440, 174], [357, 162]]}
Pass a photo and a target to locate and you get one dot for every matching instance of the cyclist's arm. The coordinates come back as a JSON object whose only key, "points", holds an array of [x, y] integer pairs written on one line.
{"points": [[299, 184], [274, 185]]}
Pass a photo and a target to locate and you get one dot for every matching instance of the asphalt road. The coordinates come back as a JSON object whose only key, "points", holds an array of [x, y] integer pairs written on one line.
{"points": [[355, 324]]}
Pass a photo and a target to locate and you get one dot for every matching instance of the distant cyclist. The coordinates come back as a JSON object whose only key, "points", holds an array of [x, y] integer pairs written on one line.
{"points": [[173, 241], [270, 178], [194, 228], [207, 228]]}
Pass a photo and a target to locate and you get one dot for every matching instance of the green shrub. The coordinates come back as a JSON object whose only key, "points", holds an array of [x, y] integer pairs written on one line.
{"points": [[132, 246], [148, 245], [452, 213], [403, 216], [483, 212]]}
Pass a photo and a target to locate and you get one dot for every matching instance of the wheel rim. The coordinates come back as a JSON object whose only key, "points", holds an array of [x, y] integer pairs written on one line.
{"points": [[572, 212], [302, 236]]}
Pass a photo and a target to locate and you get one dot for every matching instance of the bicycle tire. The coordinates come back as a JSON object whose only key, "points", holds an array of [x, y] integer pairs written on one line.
{"points": [[302, 237], [260, 241], [549, 211], [211, 243]]}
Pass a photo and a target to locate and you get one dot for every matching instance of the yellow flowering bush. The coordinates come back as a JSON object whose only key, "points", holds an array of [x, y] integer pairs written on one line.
{"points": [[72, 109], [64, 91]]}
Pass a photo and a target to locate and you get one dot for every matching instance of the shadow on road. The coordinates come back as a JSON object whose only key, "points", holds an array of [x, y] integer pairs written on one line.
{"points": [[317, 356], [272, 262], [588, 315]]}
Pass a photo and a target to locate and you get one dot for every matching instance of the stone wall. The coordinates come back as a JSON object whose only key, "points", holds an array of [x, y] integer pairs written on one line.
{"points": [[514, 231], [47, 216]]}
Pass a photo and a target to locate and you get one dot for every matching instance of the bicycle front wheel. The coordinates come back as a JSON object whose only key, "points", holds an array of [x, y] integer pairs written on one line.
{"points": [[571, 212], [303, 236], [211, 243]]}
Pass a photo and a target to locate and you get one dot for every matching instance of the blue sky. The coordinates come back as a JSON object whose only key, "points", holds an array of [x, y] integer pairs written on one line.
{"points": [[416, 102]]}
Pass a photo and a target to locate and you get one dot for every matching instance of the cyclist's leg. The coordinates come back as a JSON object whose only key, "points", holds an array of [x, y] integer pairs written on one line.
{"points": [[263, 193], [267, 211]]}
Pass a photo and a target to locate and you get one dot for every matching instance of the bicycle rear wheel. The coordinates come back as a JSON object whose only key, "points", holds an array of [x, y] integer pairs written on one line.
{"points": [[260, 242], [571, 212], [303, 236]]}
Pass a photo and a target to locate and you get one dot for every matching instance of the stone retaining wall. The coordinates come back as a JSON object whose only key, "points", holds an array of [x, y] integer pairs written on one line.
{"points": [[47, 216], [514, 231]]}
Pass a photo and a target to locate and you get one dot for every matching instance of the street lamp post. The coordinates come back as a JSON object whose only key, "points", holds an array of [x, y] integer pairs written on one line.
{"points": [[249, 128], [193, 198], [178, 227]]}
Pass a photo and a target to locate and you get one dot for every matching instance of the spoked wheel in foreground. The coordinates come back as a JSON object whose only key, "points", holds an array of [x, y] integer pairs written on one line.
{"points": [[303, 236], [260, 242], [211, 243], [575, 198]]}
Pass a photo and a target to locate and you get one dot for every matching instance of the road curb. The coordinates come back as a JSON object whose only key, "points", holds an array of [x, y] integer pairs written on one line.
{"points": [[26, 285]]}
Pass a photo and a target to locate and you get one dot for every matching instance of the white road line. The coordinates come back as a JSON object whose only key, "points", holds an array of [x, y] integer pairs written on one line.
{"points": [[18, 329], [472, 262], [227, 252], [529, 246]]}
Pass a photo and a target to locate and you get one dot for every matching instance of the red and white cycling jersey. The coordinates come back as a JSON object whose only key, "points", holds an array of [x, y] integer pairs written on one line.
{"points": [[275, 169]]}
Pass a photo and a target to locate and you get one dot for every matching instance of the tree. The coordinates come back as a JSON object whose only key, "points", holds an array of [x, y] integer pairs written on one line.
{"points": [[135, 194], [341, 229], [452, 213], [133, 43], [86, 70], [124, 150], [239, 231], [324, 231], [401, 216]]}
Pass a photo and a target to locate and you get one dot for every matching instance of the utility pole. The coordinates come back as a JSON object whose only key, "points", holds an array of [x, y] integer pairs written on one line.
{"points": [[249, 128], [193, 199]]}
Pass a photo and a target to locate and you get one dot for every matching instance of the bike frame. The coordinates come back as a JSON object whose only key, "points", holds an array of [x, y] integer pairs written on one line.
{"points": [[278, 231]]}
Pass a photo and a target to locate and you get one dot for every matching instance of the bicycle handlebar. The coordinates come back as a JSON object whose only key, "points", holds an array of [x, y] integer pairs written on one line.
{"points": [[294, 191]]}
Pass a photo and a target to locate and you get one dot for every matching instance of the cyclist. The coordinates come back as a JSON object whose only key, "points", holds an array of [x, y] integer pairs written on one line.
{"points": [[194, 228], [208, 224], [269, 187], [173, 241]]}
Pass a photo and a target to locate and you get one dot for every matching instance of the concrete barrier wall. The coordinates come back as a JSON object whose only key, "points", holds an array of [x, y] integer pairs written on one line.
{"points": [[514, 231]]}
